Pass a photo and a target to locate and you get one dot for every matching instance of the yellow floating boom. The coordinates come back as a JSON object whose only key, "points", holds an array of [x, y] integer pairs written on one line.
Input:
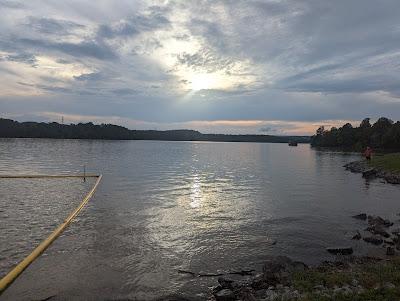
{"points": [[16, 271], [47, 176]]}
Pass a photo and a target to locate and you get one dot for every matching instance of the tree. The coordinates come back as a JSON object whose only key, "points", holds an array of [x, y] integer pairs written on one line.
{"points": [[384, 134], [365, 124]]}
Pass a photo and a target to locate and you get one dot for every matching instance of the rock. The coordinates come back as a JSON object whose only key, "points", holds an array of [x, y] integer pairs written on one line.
{"points": [[345, 290], [357, 236], [361, 216], [245, 294], [277, 269], [225, 282], [390, 251], [389, 242], [392, 178], [378, 221], [216, 289], [261, 293], [389, 285], [357, 166], [290, 295], [340, 250], [396, 232], [373, 240], [259, 282], [224, 295], [370, 173], [378, 230], [271, 295], [319, 288]]}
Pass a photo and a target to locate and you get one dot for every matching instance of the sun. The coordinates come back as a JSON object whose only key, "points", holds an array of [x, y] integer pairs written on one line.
{"points": [[197, 81], [201, 82]]}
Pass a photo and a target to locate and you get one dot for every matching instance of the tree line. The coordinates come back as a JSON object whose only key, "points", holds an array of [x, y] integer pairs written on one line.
{"points": [[14, 129], [383, 134]]}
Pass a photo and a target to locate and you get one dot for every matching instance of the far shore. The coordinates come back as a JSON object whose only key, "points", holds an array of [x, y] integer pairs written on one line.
{"points": [[53, 130]]}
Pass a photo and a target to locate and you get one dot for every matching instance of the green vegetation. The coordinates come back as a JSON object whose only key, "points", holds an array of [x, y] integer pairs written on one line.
{"points": [[383, 134], [388, 162], [377, 281], [14, 129], [384, 294]]}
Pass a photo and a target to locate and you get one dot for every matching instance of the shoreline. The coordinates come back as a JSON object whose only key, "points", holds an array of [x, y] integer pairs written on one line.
{"points": [[351, 278], [370, 172], [348, 277]]}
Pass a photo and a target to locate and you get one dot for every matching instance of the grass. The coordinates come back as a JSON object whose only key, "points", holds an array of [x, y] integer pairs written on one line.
{"points": [[371, 276], [369, 295], [388, 162]]}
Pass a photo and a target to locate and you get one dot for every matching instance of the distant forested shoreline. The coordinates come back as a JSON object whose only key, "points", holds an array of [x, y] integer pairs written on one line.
{"points": [[384, 134], [14, 129]]}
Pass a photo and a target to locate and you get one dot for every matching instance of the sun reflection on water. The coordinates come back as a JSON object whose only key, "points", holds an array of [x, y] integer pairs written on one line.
{"points": [[195, 193]]}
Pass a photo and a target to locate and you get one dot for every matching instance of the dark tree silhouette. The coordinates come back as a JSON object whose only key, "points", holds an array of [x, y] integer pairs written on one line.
{"points": [[14, 129], [383, 134]]}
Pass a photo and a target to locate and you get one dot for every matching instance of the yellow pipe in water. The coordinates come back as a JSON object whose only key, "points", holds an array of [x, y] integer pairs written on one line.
{"points": [[47, 176], [15, 272]]}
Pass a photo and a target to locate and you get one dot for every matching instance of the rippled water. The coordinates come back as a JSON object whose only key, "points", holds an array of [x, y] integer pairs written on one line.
{"points": [[164, 206]]}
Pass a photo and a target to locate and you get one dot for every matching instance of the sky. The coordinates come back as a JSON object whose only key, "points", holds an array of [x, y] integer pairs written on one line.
{"points": [[280, 67]]}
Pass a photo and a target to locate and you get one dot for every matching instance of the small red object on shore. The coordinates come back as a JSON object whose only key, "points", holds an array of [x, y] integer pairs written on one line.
{"points": [[368, 153]]}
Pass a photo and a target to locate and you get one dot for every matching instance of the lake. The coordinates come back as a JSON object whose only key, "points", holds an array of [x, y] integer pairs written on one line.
{"points": [[164, 206]]}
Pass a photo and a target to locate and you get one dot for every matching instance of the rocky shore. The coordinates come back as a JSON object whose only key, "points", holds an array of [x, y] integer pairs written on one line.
{"points": [[356, 278], [369, 172], [347, 278]]}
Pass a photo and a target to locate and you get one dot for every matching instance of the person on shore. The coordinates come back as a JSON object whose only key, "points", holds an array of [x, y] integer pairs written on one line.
{"points": [[368, 153]]}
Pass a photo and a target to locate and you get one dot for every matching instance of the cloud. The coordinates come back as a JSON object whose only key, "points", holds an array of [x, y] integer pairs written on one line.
{"points": [[133, 26], [94, 49], [26, 58], [11, 4], [207, 60], [267, 129], [124, 92], [292, 61], [52, 26], [95, 76]]}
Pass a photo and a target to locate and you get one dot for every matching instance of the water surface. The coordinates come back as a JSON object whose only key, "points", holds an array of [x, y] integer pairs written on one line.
{"points": [[164, 206]]}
